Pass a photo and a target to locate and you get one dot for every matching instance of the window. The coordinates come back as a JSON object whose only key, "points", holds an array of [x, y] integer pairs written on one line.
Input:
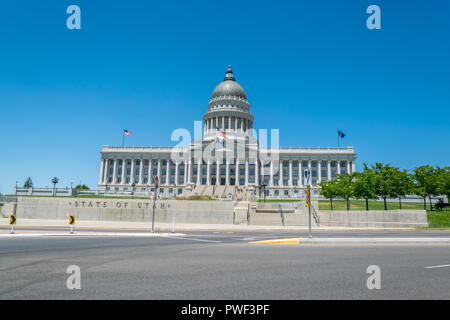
{"points": [[180, 191], [277, 192], [285, 182], [313, 164], [286, 192]]}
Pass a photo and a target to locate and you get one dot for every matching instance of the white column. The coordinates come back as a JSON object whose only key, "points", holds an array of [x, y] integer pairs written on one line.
{"points": [[236, 180], [217, 173], [227, 169], [141, 171], [290, 173], [168, 172], [114, 171], [102, 167], [208, 172], [329, 170], [150, 168], [339, 166], [199, 172], [256, 172], [353, 166], [176, 172], [189, 173], [186, 170], [158, 173], [319, 170], [300, 173], [271, 173], [223, 123], [246, 172], [122, 179], [105, 179], [132, 171], [348, 167], [229, 123]]}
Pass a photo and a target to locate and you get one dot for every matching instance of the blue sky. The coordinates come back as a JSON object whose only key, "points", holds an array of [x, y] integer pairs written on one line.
{"points": [[308, 67]]}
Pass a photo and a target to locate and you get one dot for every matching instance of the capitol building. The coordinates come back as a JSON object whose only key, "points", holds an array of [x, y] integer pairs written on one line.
{"points": [[228, 161]]}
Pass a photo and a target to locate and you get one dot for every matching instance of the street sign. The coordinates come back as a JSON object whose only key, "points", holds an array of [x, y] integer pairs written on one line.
{"points": [[307, 177], [12, 222], [71, 220], [156, 182]]}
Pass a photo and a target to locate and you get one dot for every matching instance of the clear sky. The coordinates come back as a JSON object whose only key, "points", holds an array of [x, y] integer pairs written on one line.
{"points": [[308, 67]]}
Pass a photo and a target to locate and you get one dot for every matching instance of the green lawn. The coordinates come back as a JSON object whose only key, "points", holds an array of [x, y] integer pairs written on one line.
{"points": [[439, 219]]}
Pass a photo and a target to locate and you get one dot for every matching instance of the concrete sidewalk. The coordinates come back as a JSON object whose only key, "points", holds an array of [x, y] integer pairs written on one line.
{"points": [[129, 225]]}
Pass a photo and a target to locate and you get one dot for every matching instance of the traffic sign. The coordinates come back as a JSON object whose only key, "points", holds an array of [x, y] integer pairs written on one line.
{"points": [[307, 177], [71, 220], [12, 219]]}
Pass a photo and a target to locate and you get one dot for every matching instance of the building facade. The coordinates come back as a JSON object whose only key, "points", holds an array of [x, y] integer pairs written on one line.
{"points": [[226, 161]]}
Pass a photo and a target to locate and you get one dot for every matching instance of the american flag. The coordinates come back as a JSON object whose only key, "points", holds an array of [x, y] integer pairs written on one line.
{"points": [[127, 132], [220, 136]]}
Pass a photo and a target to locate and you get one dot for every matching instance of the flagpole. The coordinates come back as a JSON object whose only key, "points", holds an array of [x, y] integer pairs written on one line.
{"points": [[123, 139], [338, 139]]}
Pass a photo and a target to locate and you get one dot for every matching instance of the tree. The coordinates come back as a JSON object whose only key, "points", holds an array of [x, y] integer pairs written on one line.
{"points": [[444, 182], [365, 185], [345, 186], [401, 184], [329, 190], [383, 179], [82, 187], [426, 183], [28, 183]]}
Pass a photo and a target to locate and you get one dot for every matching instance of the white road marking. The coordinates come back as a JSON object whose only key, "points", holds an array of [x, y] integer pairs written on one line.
{"points": [[439, 266], [195, 239]]}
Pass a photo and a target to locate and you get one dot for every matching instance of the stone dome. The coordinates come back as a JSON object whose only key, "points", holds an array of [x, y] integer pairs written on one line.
{"points": [[229, 87]]}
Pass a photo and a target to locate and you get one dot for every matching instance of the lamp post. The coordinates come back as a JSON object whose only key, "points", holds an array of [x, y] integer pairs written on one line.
{"points": [[55, 180], [132, 189], [16, 186]]}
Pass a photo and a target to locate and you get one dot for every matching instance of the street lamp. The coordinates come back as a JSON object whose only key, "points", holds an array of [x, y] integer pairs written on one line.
{"points": [[132, 189], [16, 186], [55, 180], [264, 190]]}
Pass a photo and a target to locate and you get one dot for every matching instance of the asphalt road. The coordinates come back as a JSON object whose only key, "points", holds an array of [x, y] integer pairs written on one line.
{"points": [[222, 265]]}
